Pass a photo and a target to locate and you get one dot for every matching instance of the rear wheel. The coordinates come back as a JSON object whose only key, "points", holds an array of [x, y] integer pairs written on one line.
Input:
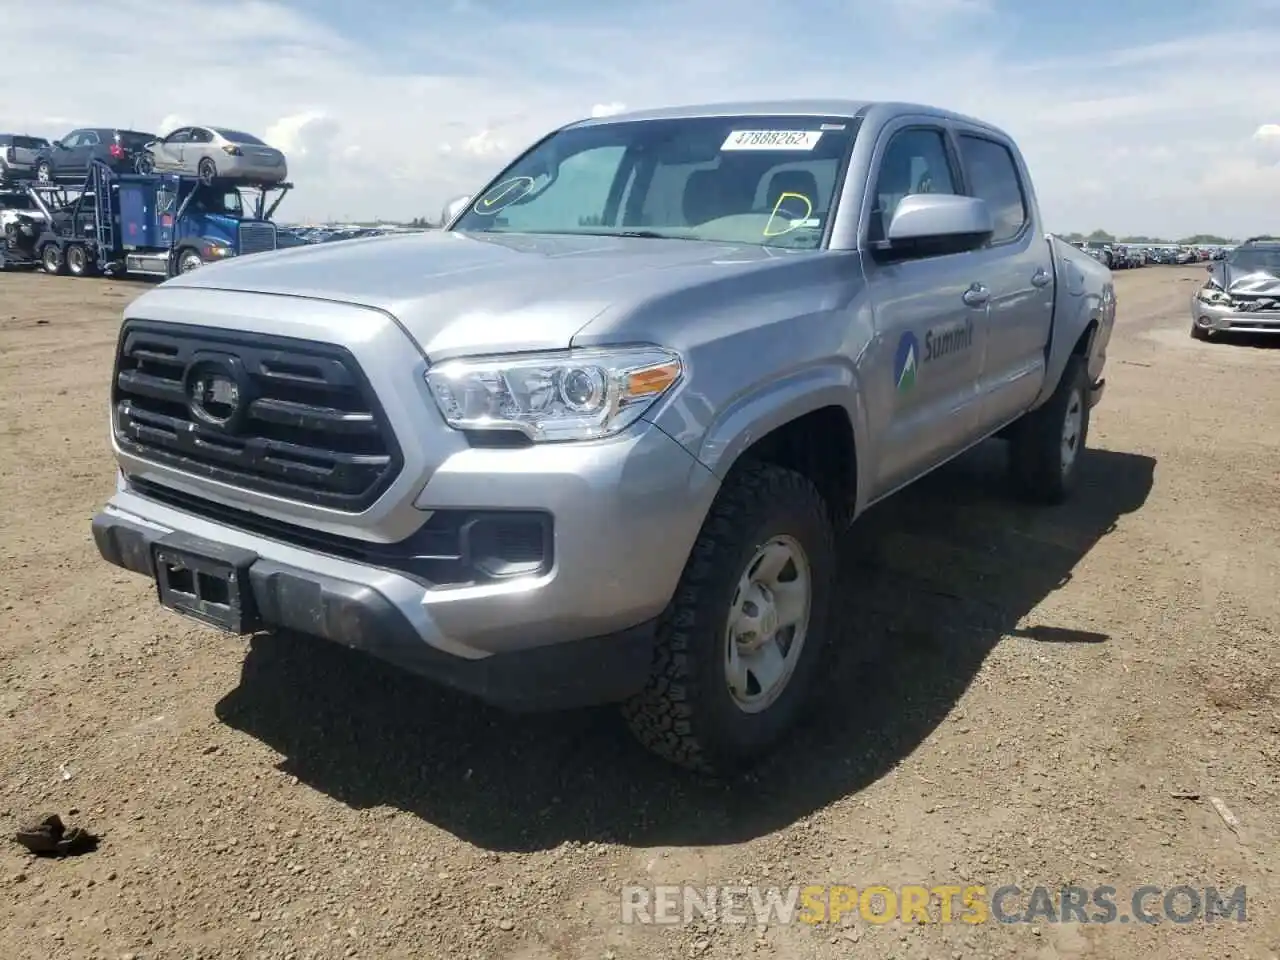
{"points": [[79, 263], [51, 259], [144, 165], [1046, 445], [207, 171], [740, 645]]}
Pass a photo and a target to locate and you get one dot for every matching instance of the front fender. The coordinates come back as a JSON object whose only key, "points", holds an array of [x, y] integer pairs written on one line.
{"points": [[773, 404]]}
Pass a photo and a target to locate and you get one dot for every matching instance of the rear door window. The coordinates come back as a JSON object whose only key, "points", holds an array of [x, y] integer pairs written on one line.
{"points": [[993, 177]]}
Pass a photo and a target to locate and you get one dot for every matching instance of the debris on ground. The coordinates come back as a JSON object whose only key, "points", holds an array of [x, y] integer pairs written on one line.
{"points": [[50, 837]]}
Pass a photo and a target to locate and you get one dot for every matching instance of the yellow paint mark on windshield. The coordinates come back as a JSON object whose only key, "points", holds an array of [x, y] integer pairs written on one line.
{"points": [[795, 221], [491, 202]]}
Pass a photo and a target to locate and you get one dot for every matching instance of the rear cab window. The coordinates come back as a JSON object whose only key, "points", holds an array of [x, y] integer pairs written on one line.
{"points": [[993, 176]]}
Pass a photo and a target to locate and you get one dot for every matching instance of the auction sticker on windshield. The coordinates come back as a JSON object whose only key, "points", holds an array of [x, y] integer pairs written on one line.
{"points": [[772, 140]]}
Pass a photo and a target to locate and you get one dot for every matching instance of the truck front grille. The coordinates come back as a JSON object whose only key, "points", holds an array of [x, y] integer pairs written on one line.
{"points": [[275, 415], [257, 237]]}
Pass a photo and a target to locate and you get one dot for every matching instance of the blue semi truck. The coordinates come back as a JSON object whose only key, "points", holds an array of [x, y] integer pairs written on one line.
{"points": [[157, 225]]}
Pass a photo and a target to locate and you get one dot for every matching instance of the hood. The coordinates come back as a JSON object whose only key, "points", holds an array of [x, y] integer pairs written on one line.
{"points": [[1246, 283], [456, 293]]}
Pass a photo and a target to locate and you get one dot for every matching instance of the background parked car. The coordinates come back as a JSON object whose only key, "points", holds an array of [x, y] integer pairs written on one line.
{"points": [[69, 158], [19, 154], [210, 152]]}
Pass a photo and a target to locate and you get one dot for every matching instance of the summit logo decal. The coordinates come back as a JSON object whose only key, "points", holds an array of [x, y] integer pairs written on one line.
{"points": [[905, 361]]}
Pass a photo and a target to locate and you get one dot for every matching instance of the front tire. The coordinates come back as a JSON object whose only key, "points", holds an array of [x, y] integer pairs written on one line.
{"points": [[740, 645], [44, 172], [1046, 446], [206, 171], [188, 260], [1198, 332]]}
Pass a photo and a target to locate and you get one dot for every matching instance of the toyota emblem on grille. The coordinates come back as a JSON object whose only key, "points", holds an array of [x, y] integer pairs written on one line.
{"points": [[214, 397]]}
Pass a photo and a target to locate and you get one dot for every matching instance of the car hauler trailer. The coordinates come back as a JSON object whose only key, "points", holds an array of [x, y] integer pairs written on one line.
{"points": [[155, 225]]}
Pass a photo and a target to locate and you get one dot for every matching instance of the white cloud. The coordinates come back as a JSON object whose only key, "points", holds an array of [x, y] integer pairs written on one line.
{"points": [[607, 109], [1159, 125]]}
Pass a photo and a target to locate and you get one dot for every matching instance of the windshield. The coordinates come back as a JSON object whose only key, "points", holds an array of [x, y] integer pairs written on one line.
{"points": [[1255, 259], [762, 180], [235, 136], [212, 200]]}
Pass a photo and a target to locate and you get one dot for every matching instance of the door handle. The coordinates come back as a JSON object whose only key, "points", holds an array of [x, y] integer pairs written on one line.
{"points": [[1041, 277], [977, 295]]}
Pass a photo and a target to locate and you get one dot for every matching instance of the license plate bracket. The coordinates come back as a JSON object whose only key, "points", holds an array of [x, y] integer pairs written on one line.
{"points": [[206, 581]]}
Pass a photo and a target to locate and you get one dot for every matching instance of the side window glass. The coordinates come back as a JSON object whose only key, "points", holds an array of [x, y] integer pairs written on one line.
{"points": [[73, 140], [915, 161], [993, 177], [201, 136], [88, 139]]}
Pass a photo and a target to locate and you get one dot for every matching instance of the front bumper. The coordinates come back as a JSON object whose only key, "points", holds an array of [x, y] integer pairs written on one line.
{"points": [[365, 615], [624, 515], [1222, 318]]}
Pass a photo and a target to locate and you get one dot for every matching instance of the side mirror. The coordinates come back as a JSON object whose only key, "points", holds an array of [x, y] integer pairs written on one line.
{"points": [[1208, 268], [453, 208], [952, 221], [58, 143]]}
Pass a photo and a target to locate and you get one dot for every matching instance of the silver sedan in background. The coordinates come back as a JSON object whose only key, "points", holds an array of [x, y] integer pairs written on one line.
{"points": [[215, 152]]}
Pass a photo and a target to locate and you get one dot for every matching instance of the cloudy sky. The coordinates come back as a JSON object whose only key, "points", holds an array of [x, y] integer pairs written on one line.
{"points": [[1138, 116]]}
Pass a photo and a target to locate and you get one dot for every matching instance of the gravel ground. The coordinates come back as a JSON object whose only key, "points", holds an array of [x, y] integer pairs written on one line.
{"points": [[1031, 697]]}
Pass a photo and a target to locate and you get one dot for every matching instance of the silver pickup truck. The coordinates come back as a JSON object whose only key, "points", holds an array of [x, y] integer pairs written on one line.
{"points": [[593, 442]]}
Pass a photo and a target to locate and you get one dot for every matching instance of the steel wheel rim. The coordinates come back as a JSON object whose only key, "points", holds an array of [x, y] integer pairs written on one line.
{"points": [[50, 259], [189, 262], [42, 174], [75, 258], [1071, 426], [767, 624]]}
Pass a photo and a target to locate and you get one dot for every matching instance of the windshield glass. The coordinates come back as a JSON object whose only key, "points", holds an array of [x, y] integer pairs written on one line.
{"points": [[235, 136], [212, 200], [1251, 259], [761, 180]]}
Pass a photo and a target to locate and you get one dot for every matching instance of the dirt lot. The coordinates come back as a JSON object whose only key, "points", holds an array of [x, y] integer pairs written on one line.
{"points": [[1050, 697]]}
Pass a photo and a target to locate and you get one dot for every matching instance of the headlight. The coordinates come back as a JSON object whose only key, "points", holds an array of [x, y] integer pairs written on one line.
{"points": [[573, 395], [1212, 295]]}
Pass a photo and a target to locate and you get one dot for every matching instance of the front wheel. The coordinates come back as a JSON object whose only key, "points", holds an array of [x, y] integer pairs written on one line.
{"points": [[740, 645], [44, 172], [189, 260], [206, 171], [1047, 444], [144, 165]]}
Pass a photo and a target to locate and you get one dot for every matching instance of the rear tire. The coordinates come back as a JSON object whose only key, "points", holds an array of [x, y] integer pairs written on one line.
{"points": [[144, 165], [51, 259], [765, 518], [1047, 444], [79, 263]]}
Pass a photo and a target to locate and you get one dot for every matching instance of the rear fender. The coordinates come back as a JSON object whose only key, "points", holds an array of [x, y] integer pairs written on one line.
{"points": [[1084, 307]]}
